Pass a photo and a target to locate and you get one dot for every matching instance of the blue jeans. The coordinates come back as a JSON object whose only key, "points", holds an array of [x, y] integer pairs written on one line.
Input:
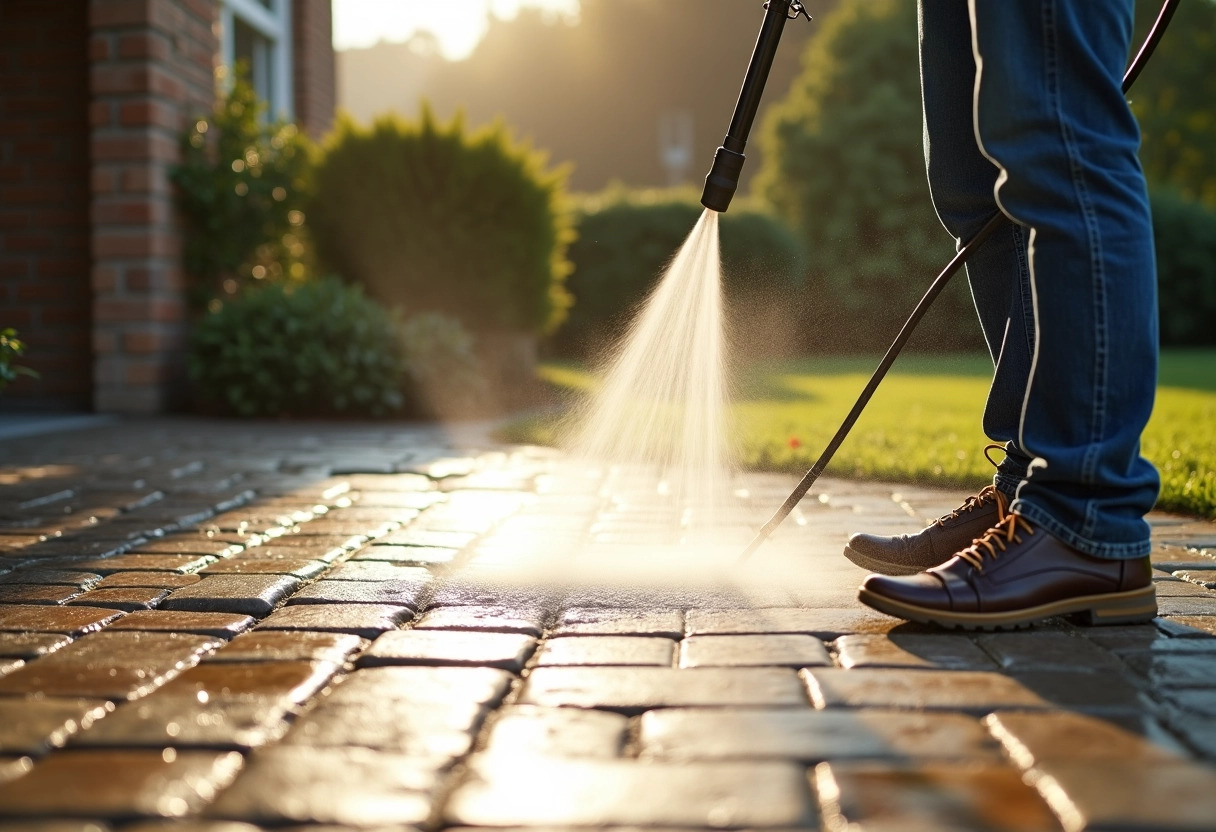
{"points": [[1066, 292]]}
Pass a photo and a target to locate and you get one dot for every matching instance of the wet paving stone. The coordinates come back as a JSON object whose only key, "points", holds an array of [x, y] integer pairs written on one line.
{"points": [[352, 786], [127, 599], [51, 577], [930, 797], [1189, 626], [33, 726], [602, 621], [1205, 578], [754, 651], [136, 784], [525, 731], [446, 647], [292, 549], [1197, 701], [219, 624], [407, 555], [175, 564], [589, 793], [373, 570], [1121, 795], [607, 650], [1045, 651], [109, 666], [282, 682], [942, 652], [58, 825], [12, 767], [826, 624], [811, 736], [30, 645], [37, 593], [366, 620], [1030, 739], [255, 595], [302, 568], [485, 619], [972, 691], [632, 690], [395, 593], [289, 645], [151, 580], [428, 539], [166, 720], [424, 685], [435, 733], [1099, 691], [1179, 670], [1185, 606], [69, 621]]}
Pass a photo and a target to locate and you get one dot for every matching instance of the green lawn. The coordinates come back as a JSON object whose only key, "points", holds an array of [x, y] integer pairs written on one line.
{"points": [[923, 424]]}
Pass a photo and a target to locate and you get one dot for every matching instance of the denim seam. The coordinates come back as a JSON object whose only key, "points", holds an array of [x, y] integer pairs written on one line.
{"points": [[1019, 250], [1094, 548]]}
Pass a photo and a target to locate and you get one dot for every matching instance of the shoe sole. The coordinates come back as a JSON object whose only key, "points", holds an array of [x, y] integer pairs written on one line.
{"points": [[1134, 607], [883, 567]]}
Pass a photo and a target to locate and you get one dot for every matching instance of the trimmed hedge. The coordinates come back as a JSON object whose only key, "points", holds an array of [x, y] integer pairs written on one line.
{"points": [[626, 238], [1185, 236], [435, 218]]}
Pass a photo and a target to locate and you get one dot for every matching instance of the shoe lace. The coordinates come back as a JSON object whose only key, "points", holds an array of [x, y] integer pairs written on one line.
{"points": [[997, 539], [986, 495]]}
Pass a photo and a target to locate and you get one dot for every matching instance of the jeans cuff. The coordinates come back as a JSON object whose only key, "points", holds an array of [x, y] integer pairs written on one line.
{"points": [[1007, 485], [1093, 548]]}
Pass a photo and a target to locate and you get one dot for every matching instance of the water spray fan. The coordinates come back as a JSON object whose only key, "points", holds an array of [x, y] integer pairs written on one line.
{"points": [[723, 181]]}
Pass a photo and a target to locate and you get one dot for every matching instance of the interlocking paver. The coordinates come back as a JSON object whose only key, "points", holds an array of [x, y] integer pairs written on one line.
{"points": [[397, 593], [303, 568], [128, 599], [51, 577], [789, 650], [289, 645], [154, 580], [913, 650], [1031, 739], [30, 645], [930, 797], [973, 691], [607, 793], [488, 619], [176, 564], [109, 665], [30, 725], [70, 621], [526, 731], [218, 624], [810, 735], [282, 681], [1099, 690], [353, 786], [437, 733], [37, 593], [822, 623], [255, 595], [1045, 651], [366, 620], [373, 570], [120, 784], [607, 650], [407, 555], [1118, 794], [450, 647], [165, 719], [637, 689], [597, 621], [424, 685]]}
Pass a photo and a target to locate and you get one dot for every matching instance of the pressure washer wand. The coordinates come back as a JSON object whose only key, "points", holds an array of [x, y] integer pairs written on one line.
{"points": [[935, 289]]}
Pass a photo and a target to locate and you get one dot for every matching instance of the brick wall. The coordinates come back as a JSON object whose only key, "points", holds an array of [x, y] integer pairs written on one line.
{"points": [[313, 56], [44, 188], [151, 71]]}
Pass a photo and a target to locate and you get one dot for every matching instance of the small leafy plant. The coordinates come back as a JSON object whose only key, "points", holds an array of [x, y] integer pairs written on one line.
{"points": [[12, 348]]}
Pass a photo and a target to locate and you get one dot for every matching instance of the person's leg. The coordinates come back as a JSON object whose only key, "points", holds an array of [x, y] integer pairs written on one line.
{"points": [[962, 182], [1051, 115]]}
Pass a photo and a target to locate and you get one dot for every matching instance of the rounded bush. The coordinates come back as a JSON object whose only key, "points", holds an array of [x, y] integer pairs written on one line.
{"points": [[307, 349], [625, 239], [440, 219], [1185, 234]]}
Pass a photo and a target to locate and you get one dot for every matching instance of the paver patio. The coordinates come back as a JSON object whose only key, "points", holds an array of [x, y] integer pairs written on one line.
{"points": [[306, 625]]}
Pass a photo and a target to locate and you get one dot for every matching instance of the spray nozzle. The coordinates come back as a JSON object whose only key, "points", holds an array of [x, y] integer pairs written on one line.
{"points": [[723, 178]]}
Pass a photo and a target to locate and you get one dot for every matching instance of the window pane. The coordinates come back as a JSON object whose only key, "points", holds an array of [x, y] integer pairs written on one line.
{"points": [[253, 49]]}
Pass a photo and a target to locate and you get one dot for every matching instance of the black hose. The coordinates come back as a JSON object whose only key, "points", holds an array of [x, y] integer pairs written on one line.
{"points": [[935, 289]]}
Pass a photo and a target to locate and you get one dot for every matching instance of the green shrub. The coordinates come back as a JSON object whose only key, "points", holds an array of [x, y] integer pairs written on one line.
{"points": [[626, 238], [11, 348], [436, 218], [241, 187], [1185, 236], [314, 348], [844, 164]]}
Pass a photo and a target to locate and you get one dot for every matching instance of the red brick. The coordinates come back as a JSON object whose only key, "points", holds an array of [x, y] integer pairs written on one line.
{"points": [[100, 47], [105, 343], [28, 241], [145, 179], [62, 267], [103, 180], [101, 114], [150, 341], [104, 13], [41, 291], [131, 146], [117, 79], [130, 212], [144, 45], [168, 278], [145, 113], [11, 220], [109, 243], [104, 279], [147, 372]]}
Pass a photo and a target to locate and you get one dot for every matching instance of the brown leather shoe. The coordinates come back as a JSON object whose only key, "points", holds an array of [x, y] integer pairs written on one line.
{"points": [[907, 554], [1015, 576]]}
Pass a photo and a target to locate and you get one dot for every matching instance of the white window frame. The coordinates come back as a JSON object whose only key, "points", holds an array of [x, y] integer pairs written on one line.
{"points": [[274, 24]]}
